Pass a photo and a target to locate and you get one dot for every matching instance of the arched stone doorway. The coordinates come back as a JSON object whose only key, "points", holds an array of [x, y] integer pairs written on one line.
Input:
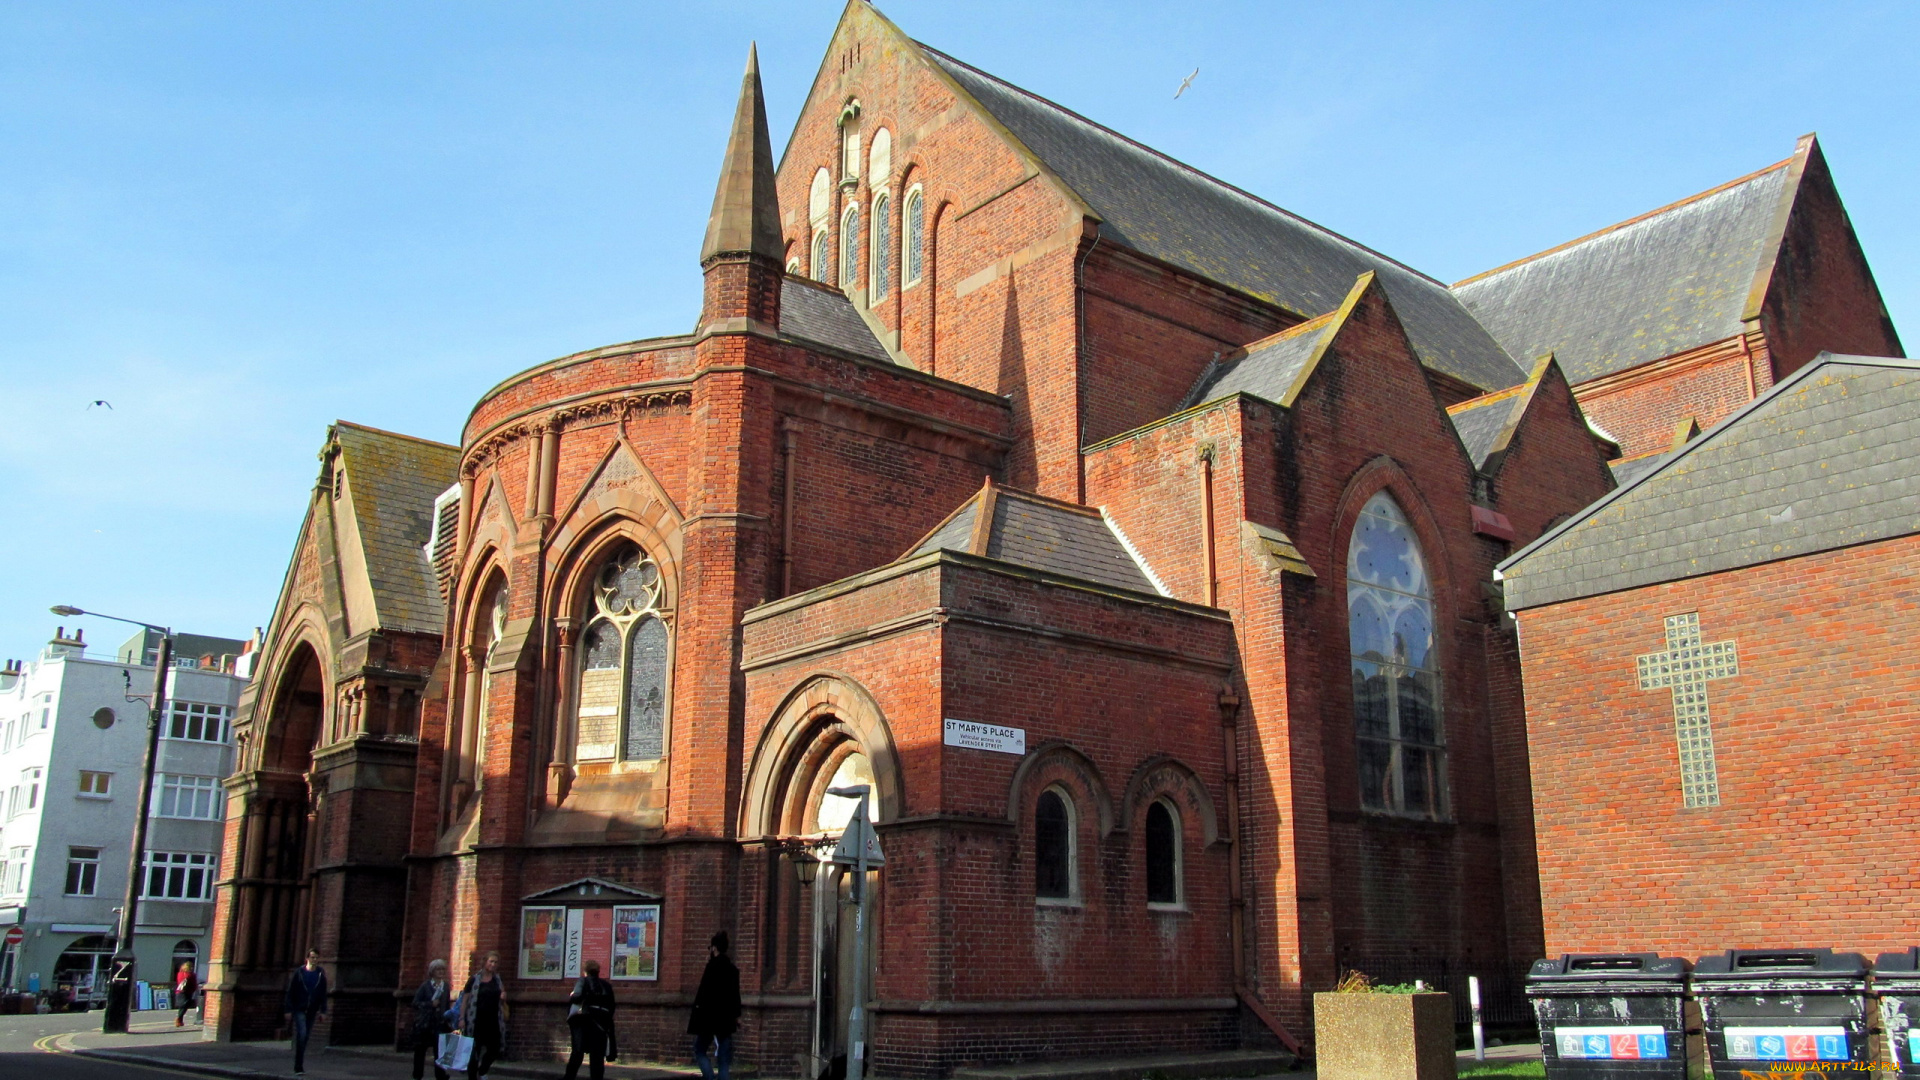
{"points": [[830, 733]]}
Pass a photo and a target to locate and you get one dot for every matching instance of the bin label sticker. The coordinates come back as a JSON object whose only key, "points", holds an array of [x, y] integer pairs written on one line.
{"points": [[1613, 1043], [1787, 1043]]}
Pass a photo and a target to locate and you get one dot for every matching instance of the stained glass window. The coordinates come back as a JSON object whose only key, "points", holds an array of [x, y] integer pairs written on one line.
{"points": [[913, 257], [882, 247], [621, 706], [1400, 747], [850, 248], [820, 262]]}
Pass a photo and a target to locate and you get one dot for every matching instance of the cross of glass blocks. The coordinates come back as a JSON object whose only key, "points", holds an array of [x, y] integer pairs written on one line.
{"points": [[1686, 667]]}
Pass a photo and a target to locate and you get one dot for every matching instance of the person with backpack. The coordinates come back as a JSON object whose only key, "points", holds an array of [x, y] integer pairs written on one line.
{"points": [[716, 1011], [304, 1003], [590, 1017]]}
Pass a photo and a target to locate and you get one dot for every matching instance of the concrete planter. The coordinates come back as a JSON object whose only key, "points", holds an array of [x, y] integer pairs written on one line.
{"points": [[1383, 1036]]}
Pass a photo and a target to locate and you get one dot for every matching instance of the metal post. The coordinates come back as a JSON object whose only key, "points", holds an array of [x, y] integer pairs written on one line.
{"points": [[125, 968], [857, 1016], [1479, 1030]]}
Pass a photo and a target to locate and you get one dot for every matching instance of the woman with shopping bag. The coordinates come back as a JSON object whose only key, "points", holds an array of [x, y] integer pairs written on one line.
{"points": [[483, 1016], [430, 1003], [590, 1017]]}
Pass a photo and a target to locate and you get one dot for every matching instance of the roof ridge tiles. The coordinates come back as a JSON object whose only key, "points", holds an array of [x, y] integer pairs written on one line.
{"points": [[1628, 223], [395, 434], [1176, 162]]}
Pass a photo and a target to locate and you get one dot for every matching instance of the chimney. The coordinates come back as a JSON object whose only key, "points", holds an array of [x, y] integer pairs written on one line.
{"points": [[741, 255]]}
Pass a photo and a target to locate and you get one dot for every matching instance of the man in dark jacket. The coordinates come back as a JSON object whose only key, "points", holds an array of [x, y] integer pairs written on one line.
{"points": [[305, 1002], [590, 1016], [430, 1005], [716, 1011]]}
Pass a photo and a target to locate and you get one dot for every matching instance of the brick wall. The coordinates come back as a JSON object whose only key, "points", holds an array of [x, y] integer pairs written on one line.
{"points": [[1810, 845]]}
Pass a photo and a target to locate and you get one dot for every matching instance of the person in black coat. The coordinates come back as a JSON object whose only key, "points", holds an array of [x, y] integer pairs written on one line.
{"points": [[304, 1003], [590, 1016], [716, 1011], [483, 1016], [430, 1005]]}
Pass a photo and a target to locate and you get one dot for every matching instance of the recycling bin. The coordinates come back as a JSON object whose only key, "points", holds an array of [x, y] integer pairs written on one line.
{"points": [[1765, 1008], [1611, 1015], [1896, 978]]}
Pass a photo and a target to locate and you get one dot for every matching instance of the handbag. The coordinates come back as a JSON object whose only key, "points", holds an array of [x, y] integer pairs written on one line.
{"points": [[455, 1051]]}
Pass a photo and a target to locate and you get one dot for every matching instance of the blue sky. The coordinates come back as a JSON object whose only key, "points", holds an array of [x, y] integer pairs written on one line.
{"points": [[240, 221]]}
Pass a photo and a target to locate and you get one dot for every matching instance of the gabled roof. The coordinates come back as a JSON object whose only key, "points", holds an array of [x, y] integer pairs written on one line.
{"points": [[1041, 533], [820, 314], [1824, 459], [1486, 424], [1179, 215], [394, 479], [1662, 283], [591, 888], [1275, 367]]}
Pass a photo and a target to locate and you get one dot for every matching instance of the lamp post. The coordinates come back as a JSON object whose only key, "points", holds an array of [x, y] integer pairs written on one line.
{"points": [[859, 829], [125, 967]]}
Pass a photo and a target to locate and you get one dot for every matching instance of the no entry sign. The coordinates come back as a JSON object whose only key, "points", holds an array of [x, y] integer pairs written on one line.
{"points": [[15, 935]]}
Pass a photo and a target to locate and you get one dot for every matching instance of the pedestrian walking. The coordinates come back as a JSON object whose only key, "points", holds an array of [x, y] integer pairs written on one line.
{"points": [[716, 1011], [186, 986], [590, 1018], [305, 1002], [483, 1016], [430, 1005]]}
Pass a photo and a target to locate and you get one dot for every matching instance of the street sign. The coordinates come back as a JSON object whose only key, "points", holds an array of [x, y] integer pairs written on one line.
{"points": [[859, 831], [15, 935]]}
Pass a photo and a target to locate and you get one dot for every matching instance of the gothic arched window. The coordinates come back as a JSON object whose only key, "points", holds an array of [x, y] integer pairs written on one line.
{"points": [[1396, 677], [882, 246], [820, 263], [1163, 854], [1053, 846], [622, 698], [850, 248], [913, 252]]}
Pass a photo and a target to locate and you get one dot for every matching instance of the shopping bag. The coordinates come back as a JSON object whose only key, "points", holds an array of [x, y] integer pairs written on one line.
{"points": [[455, 1049]]}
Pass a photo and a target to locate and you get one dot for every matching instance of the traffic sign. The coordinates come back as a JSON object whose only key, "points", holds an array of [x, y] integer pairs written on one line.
{"points": [[15, 935]]}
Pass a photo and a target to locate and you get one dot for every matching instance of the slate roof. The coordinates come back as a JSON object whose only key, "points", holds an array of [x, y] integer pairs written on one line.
{"points": [[1663, 283], [1179, 215], [1822, 460], [1267, 368], [393, 480], [1480, 421], [1042, 534], [821, 314], [1626, 472]]}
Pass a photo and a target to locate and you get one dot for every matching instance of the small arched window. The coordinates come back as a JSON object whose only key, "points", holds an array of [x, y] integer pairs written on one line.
{"points": [[1396, 677], [882, 246], [621, 705], [1163, 854], [913, 252], [850, 248], [793, 265], [1053, 862], [820, 262]]}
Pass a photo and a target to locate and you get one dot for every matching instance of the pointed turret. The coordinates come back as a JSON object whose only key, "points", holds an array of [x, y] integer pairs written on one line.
{"points": [[746, 209]]}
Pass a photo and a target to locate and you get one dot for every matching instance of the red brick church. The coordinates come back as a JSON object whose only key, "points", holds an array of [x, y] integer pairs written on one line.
{"points": [[1131, 537]]}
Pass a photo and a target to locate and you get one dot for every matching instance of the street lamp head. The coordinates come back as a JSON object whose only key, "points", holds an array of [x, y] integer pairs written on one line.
{"points": [[67, 610], [805, 865]]}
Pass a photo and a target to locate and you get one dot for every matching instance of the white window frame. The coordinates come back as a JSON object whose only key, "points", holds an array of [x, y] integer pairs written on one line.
{"points": [[178, 784], [1073, 898], [180, 714], [105, 789], [91, 881], [184, 863], [911, 275]]}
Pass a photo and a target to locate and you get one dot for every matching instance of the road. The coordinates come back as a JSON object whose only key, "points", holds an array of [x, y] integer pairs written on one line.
{"points": [[24, 1056]]}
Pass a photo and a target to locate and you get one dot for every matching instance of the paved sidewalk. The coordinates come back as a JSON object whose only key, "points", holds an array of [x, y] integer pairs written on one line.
{"points": [[184, 1049]]}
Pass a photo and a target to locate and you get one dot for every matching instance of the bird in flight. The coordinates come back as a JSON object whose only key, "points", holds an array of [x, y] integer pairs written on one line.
{"points": [[108, 404], [1184, 85]]}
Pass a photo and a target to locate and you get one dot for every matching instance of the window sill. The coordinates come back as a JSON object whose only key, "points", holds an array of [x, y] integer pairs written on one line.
{"points": [[90, 797], [1179, 908], [1058, 902]]}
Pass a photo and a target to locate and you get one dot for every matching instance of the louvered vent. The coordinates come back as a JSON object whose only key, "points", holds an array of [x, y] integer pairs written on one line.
{"points": [[441, 546]]}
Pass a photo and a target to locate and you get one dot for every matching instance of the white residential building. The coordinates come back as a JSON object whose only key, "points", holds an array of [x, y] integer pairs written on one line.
{"points": [[72, 737]]}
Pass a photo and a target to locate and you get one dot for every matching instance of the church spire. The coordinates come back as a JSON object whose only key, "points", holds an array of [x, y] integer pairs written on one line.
{"points": [[746, 209]]}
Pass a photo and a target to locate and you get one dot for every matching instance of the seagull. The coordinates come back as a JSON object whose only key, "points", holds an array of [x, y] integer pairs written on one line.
{"points": [[1184, 85], [108, 404]]}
